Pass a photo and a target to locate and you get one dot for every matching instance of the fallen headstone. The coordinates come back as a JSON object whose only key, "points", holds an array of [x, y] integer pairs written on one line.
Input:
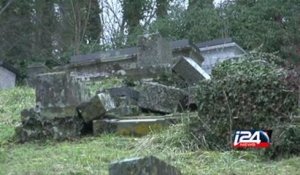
{"points": [[33, 127], [133, 127], [160, 98], [189, 70], [142, 166], [96, 107], [58, 94], [128, 92]]}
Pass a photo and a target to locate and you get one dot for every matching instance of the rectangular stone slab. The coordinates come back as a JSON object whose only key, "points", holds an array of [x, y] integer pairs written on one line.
{"points": [[189, 70], [142, 166], [160, 98], [59, 89], [135, 127]]}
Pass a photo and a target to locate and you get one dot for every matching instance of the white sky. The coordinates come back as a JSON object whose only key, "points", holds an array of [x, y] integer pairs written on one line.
{"points": [[112, 16]]}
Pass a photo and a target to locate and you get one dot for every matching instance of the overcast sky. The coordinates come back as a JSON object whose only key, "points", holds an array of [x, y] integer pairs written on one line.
{"points": [[112, 19]]}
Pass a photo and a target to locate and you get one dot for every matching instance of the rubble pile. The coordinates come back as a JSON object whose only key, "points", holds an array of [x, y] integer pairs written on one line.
{"points": [[65, 109]]}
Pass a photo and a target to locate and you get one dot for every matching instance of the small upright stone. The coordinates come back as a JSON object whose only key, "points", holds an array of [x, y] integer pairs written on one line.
{"points": [[142, 166], [160, 98]]}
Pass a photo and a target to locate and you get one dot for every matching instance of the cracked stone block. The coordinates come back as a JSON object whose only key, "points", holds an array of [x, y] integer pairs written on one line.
{"points": [[33, 127], [96, 107], [160, 98], [190, 71]]}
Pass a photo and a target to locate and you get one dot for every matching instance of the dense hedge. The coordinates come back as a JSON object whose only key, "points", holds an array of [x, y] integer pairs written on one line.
{"points": [[250, 93]]}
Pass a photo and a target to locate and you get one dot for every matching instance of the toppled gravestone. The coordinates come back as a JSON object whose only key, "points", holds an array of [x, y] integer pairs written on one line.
{"points": [[96, 107], [142, 166], [130, 127], [126, 99], [34, 127], [189, 70], [55, 115], [118, 92], [58, 94], [160, 98]]}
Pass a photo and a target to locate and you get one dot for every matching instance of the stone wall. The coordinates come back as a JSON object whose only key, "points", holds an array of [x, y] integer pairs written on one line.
{"points": [[7, 78]]}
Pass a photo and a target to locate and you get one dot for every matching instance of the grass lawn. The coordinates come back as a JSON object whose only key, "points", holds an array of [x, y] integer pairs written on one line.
{"points": [[92, 155]]}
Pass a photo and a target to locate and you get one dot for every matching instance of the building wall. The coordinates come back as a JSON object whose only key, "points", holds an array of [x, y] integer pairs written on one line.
{"points": [[7, 78], [216, 54]]}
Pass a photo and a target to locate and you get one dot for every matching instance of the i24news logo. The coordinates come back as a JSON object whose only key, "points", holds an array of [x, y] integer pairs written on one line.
{"points": [[252, 139]]}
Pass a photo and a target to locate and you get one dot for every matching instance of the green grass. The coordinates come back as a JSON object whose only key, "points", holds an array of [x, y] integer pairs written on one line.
{"points": [[92, 155]]}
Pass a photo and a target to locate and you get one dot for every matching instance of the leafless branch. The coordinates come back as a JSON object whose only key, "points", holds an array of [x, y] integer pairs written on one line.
{"points": [[5, 7]]}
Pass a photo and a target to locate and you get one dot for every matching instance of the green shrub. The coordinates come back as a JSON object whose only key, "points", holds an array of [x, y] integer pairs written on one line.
{"points": [[249, 93], [286, 141]]}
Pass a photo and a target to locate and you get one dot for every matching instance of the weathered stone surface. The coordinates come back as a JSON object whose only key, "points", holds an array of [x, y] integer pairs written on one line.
{"points": [[153, 50], [7, 75], [142, 166], [125, 99], [128, 110], [135, 127], [217, 51], [96, 107], [57, 112], [123, 95], [189, 70], [34, 127], [33, 70], [59, 89], [191, 100], [26, 114], [186, 48], [160, 98]]}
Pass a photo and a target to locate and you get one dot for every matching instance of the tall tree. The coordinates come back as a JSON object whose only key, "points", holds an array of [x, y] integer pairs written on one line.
{"points": [[162, 8], [94, 28], [200, 4], [44, 26], [16, 31], [273, 25], [79, 24], [202, 21], [133, 12]]}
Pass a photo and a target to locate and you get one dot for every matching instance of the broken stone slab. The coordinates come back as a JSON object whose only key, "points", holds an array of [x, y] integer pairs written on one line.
{"points": [[189, 70], [131, 127], [160, 98], [149, 165], [33, 127], [124, 91], [123, 95], [59, 89], [96, 107]]}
